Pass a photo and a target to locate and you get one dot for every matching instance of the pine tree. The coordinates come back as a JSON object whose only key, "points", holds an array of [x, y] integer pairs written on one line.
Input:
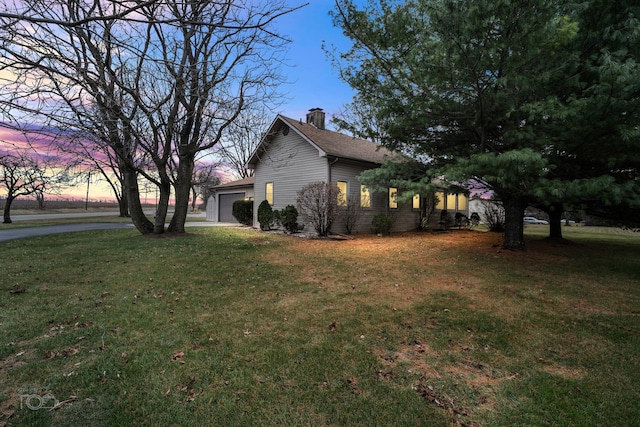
{"points": [[497, 94]]}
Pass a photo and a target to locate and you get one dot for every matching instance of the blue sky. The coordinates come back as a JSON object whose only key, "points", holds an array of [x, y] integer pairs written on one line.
{"points": [[314, 82]]}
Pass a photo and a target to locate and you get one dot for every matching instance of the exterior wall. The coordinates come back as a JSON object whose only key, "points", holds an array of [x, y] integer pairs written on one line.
{"points": [[476, 204], [452, 203], [290, 163], [405, 218], [213, 203]]}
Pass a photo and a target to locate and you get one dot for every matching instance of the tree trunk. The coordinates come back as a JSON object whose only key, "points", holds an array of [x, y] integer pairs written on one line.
{"points": [[194, 199], [555, 221], [139, 219], [7, 210], [183, 189], [513, 226], [123, 205], [163, 203]]}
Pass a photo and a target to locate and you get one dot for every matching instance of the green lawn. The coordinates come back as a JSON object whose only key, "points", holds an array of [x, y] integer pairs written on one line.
{"points": [[235, 327]]}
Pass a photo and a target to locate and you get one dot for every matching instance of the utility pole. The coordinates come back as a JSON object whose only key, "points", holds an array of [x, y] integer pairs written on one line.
{"points": [[86, 200]]}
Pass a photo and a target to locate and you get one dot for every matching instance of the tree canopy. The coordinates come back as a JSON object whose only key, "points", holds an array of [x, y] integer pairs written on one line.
{"points": [[156, 83], [488, 91]]}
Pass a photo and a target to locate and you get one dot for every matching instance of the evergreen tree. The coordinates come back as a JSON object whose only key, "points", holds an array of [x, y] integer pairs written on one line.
{"points": [[591, 125], [478, 90]]}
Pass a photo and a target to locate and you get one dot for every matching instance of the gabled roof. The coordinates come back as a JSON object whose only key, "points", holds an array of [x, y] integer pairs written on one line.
{"points": [[327, 142], [245, 182]]}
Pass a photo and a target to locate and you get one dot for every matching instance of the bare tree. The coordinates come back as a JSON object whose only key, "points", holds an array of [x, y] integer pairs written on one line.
{"points": [[317, 203], [205, 176], [157, 87], [351, 213], [23, 172], [242, 138], [94, 157]]}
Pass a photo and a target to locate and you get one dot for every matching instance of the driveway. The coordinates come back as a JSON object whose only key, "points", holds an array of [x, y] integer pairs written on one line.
{"points": [[21, 233]]}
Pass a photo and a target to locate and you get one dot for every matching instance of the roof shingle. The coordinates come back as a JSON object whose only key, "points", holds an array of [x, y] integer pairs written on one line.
{"points": [[340, 145]]}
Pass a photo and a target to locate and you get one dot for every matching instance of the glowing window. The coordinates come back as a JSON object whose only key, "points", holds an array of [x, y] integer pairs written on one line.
{"points": [[451, 202], [269, 192], [440, 203], [342, 193], [365, 197], [393, 198], [462, 202], [416, 201]]}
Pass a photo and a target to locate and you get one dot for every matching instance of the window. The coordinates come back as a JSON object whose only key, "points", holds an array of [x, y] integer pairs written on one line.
{"points": [[365, 197], [440, 204], [393, 198], [416, 201], [462, 202], [269, 192], [342, 195], [451, 202]]}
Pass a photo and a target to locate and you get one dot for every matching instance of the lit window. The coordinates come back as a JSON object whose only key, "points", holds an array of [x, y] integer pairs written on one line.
{"points": [[440, 203], [462, 202], [451, 202], [416, 201], [269, 192], [342, 193], [393, 198], [365, 198]]}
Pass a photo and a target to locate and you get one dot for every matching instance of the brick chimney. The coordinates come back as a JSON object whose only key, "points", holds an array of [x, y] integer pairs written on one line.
{"points": [[315, 117]]}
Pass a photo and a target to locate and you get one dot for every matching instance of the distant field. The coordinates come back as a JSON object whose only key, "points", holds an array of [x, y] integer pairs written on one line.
{"points": [[30, 207]]}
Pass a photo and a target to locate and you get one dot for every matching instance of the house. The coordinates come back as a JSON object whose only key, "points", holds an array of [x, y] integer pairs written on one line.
{"points": [[294, 153]]}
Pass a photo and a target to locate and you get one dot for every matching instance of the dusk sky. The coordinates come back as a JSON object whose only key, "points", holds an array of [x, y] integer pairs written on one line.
{"points": [[314, 82]]}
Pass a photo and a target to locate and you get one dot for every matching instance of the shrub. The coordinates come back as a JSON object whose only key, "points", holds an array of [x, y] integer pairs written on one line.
{"points": [[351, 214], [381, 224], [243, 211], [318, 204], [288, 218], [494, 214], [461, 220], [265, 216], [475, 219], [445, 219]]}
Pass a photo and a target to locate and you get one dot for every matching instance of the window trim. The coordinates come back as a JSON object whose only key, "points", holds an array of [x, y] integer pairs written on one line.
{"points": [[393, 201], [343, 198], [267, 192], [418, 199], [365, 202]]}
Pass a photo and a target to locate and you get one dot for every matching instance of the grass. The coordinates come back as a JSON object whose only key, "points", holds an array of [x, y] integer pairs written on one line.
{"points": [[237, 327]]}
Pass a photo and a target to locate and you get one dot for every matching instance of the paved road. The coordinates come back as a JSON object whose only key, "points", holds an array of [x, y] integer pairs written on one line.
{"points": [[21, 233], [17, 218]]}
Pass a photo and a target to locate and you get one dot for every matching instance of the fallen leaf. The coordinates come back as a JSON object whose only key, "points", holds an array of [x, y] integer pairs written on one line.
{"points": [[177, 355], [353, 382]]}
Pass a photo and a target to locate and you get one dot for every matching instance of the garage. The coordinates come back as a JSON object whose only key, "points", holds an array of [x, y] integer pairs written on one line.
{"points": [[225, 207]]}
